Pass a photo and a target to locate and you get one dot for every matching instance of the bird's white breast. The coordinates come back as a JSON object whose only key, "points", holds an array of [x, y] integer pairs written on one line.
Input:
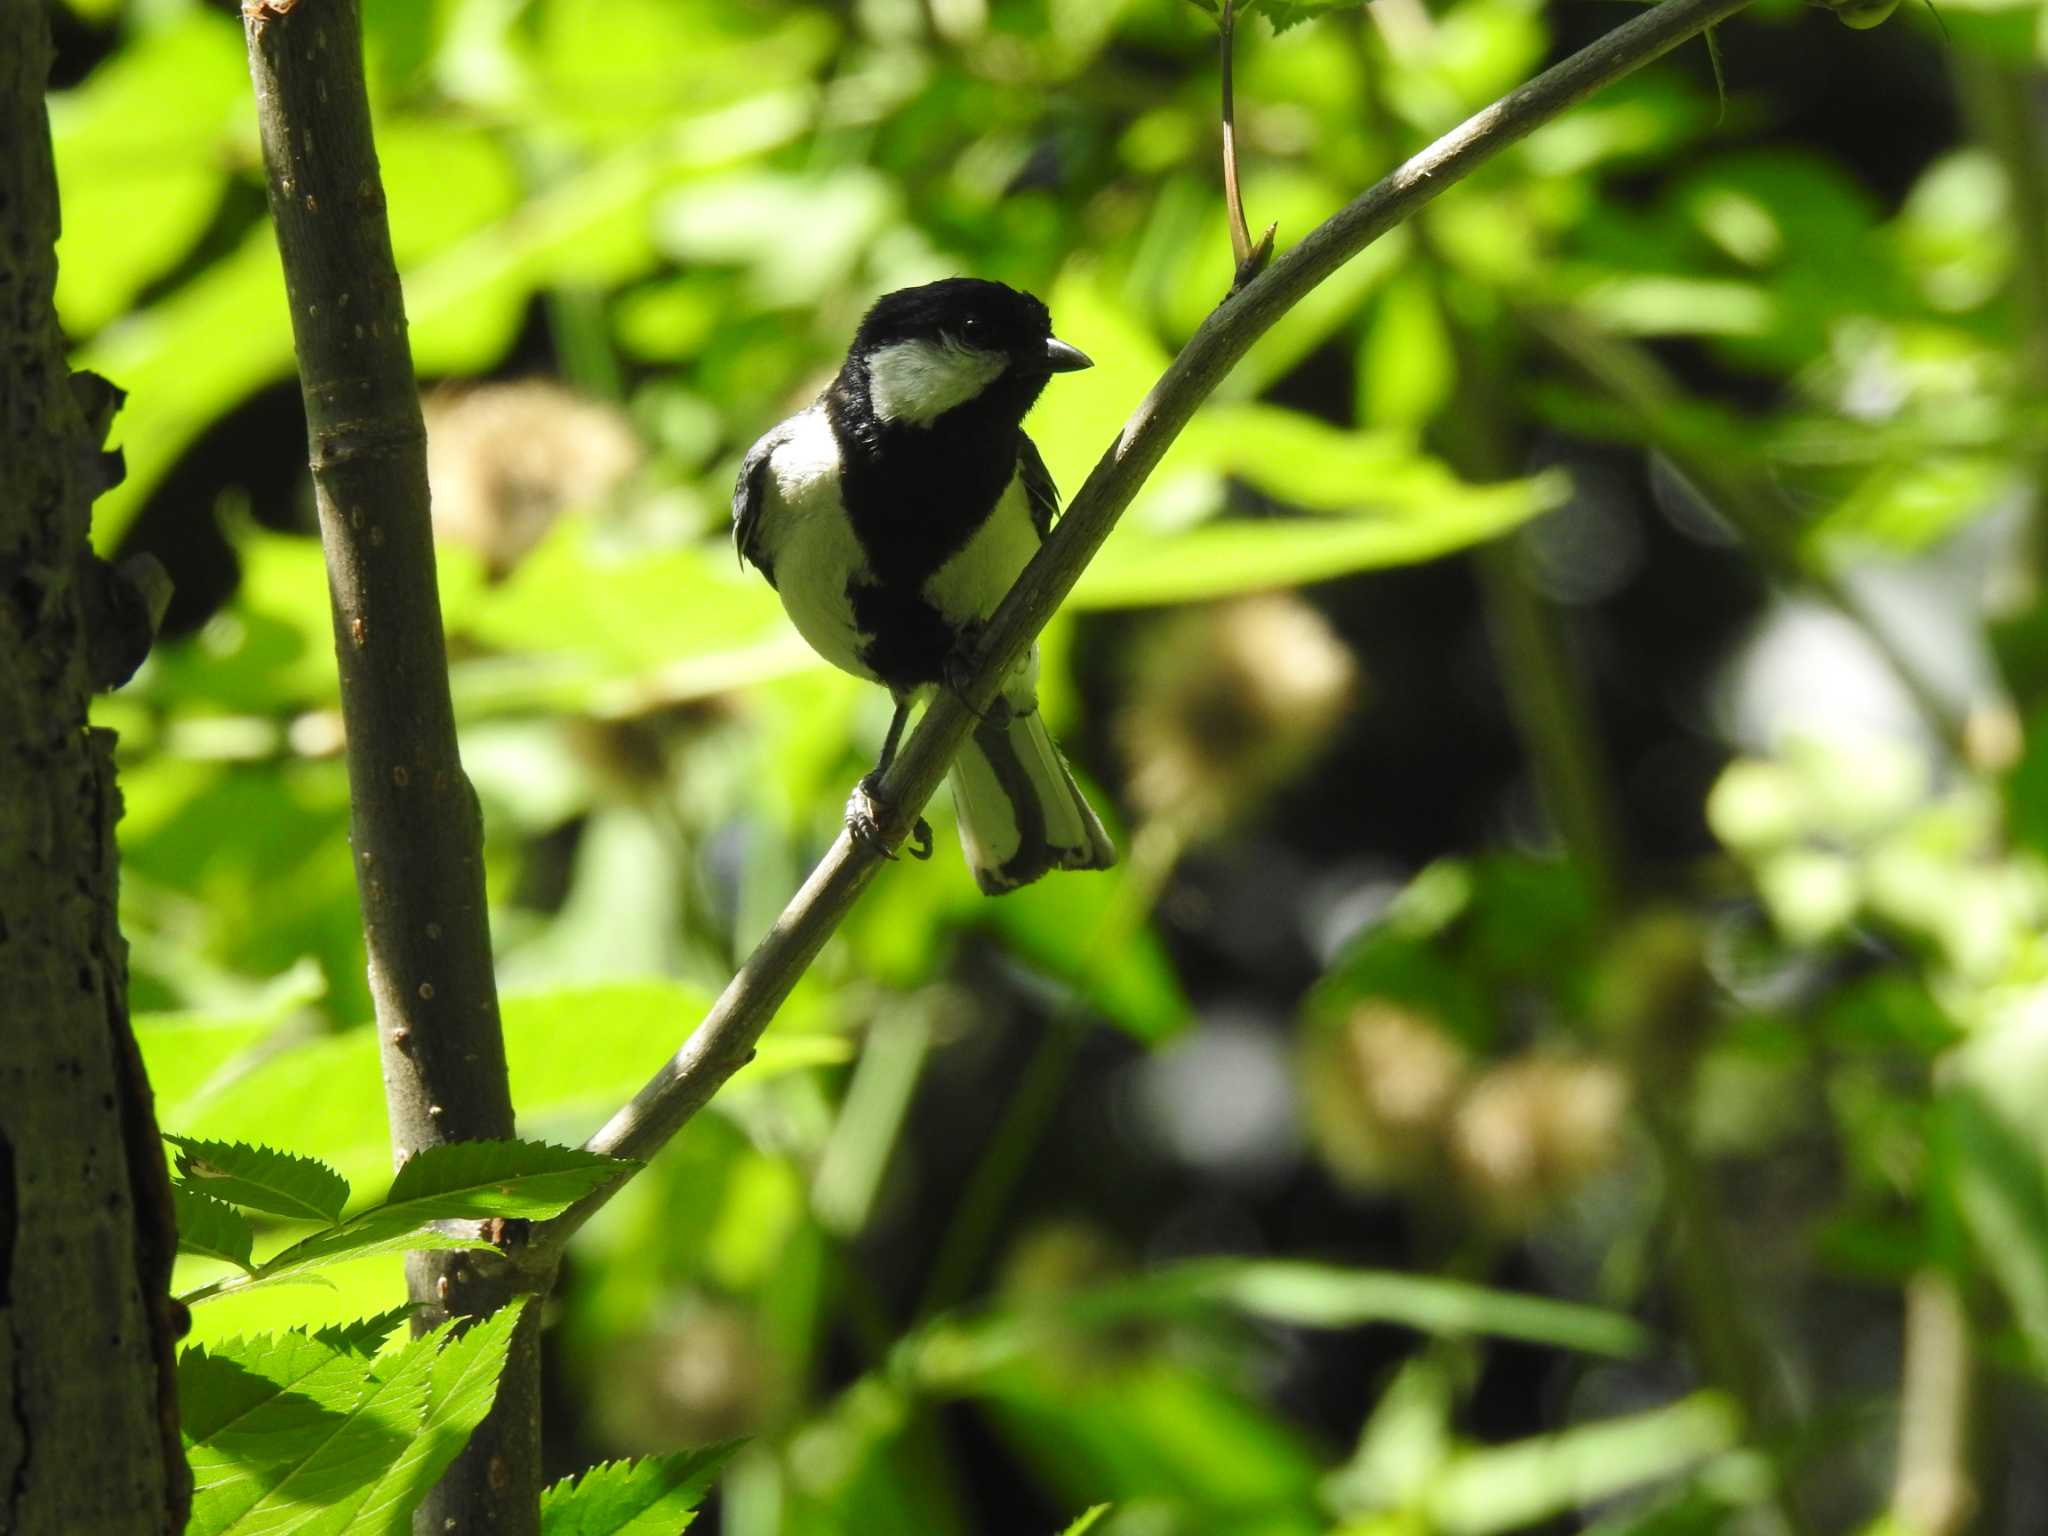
{"points": [[970, 585], [809, 542], [969, 588]]}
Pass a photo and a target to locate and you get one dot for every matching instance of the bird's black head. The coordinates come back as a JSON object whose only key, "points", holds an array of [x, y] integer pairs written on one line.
{"points": [[926, 351]]}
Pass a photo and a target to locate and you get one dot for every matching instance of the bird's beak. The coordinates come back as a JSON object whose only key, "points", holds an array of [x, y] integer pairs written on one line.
{"points": [[1061, 358]]}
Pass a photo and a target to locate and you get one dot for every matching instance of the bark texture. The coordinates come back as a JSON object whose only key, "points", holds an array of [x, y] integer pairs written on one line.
{"points": [[415, 827], [88, 1412]]}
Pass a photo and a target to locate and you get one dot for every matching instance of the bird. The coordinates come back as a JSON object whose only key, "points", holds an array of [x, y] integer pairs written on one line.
{"points": [[892, 515]]}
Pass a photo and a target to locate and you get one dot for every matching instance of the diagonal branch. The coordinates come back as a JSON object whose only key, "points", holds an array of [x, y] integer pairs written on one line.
{"points": [[724, 1041]]}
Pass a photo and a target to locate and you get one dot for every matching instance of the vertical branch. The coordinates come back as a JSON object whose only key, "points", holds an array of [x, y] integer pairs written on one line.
{"points": [[415, 826], [1933, 1493]]}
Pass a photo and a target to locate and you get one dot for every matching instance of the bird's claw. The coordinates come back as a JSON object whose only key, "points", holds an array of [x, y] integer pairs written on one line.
{"points": [[959, 672], [960, 669], [864, 822]]}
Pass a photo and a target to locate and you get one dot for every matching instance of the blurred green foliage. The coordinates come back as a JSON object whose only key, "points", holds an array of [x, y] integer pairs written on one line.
{"points": [[1728, 1117]]}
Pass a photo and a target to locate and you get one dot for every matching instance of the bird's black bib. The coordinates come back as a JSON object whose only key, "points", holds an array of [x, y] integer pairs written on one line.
{"points": [[915, 496]]}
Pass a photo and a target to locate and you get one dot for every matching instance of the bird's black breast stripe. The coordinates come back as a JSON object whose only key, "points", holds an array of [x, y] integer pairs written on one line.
{"points": [[915, 495]]}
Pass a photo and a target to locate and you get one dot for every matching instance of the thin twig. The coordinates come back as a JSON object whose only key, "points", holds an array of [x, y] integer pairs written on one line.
{"points": [[1933, 1492], [1233, 199], [724, 1042], [414, 823], [1248, 260]]}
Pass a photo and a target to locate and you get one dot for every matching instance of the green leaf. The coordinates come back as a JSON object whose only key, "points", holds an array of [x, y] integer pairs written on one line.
{"points": [[1086, 1521], [1407, 364], [461, 1181], [655, 1496], [143, 153], [262, 1178], [191, 1056], [365, 1336], [460, 1391], [1489, 1489], [242, 1387], [209, 1228], [292, 1457], [1223, 558], [217, 339], [249, 1407], [1292, 13], [1300, 1294], [623, 1030], [326, 1095], [1322, 1296], [296, 1264], [472, 1180]]}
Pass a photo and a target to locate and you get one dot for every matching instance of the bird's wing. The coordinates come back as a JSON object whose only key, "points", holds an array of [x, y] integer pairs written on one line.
{"points": [[1043, 495], [750, 498]]}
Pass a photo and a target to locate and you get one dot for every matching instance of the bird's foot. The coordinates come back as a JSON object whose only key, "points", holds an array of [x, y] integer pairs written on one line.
{"points": [[959, 670], [864, 822]]}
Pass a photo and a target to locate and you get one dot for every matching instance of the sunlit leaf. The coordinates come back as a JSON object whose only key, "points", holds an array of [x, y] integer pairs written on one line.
{"points": [[655, 1496], [143, 149], [460, 1390], [1490, 1489], [262, 1178], [1225, 558], [210, 1229]]}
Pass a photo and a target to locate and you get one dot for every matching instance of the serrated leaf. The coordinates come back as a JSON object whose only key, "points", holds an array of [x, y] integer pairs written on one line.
{"points": [[1086, 1521], [209, 1228], [262, 1178], [248, 1406], [1292, 13], [462, 1181], [365, 1336], [227, 1389], [296, 1264], [655, 1496], [333, 1461], [460, 1391], [473, 1180]]}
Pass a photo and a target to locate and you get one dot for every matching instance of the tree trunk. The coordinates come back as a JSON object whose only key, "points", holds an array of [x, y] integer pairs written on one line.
{"points": [[88, 1412]]}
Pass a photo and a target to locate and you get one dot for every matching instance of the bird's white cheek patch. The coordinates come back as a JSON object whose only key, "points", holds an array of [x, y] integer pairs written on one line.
{"points": [[919, 381]]}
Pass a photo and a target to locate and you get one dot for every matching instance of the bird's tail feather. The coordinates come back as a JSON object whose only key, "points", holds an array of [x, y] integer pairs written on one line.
{"points": [[1020, 812]]}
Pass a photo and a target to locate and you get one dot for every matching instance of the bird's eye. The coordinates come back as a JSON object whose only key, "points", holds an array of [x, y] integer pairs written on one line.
{"points": [[973, 326]]}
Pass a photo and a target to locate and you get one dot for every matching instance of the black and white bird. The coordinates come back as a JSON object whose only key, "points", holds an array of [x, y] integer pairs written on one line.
{"points": [[893, 515]]}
